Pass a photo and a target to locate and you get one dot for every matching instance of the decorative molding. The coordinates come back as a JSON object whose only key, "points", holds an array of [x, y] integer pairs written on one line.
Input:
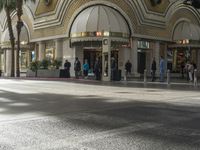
{"points": [[45, 6]]}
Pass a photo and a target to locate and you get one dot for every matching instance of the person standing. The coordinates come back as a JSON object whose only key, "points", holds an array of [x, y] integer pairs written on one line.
{"points": [[77, 67], [191, 71], [186, 69], [85, 69], [113, 68], [128, 67], [153, 70], [182, 69], [97, 69], [67, 66], [162, 69]]}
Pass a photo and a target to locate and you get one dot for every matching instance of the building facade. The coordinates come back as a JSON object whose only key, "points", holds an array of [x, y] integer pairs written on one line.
{"points": [[135, 30]]}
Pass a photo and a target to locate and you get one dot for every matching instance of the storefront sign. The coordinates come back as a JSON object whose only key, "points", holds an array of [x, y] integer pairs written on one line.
{"points": [[143, 45]]}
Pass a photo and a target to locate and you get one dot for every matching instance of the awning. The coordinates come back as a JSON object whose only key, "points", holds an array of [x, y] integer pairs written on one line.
{"points": [[186, 30], [97, 22]]}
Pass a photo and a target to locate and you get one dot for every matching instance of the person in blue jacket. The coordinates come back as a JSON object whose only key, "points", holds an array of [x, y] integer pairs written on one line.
{"points": [[85, 68], [162, 69]]}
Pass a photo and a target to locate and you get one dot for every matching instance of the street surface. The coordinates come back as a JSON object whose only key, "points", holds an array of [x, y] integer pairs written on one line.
{"points": [[61, 115]]}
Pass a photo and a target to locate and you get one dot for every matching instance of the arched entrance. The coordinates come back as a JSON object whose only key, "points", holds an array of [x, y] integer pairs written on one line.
{"points": [[186, 47], [100, 32], [25, 54]]}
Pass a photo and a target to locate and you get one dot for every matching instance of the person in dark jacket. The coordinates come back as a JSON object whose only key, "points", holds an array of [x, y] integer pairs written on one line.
{"points": [[67, 66], [113, 68], [77, 67], [128, 67], [153, 70], [97, 69]]}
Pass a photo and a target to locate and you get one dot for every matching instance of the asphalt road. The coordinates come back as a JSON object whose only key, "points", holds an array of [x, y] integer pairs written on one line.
{"points": [[58, 115]]}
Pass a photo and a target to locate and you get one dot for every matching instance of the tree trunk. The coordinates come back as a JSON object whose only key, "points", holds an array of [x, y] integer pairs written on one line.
{"points": [[12, 41], [19, 27]]}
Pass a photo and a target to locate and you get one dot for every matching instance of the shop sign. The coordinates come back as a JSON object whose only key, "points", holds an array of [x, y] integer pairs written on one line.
{"points": [[143, 45]]}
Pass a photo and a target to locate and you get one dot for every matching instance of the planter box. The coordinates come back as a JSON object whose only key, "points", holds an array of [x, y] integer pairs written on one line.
{"points": [[30, 73], [44, 73]]}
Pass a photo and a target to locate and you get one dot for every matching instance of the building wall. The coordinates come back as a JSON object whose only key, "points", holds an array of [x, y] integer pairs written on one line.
{"points": [[154, 23]]}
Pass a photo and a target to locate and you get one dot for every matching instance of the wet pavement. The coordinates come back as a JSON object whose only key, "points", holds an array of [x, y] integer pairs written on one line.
{"points": [[75, 114]]}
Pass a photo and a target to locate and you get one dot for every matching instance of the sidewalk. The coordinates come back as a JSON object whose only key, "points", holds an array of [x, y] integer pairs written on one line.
{"points": [[137, 82]]}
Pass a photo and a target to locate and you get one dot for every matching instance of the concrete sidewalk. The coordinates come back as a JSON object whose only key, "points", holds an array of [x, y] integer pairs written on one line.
{"points": [[174, 85]]}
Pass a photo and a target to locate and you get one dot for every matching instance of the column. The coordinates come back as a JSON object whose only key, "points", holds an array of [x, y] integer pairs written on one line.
{"points": [[41, 51], [4, 61], [156, 54], [198, 62], [134, 57], [106, 59], [8, 63], [69, 53], [15, 55], [59, 49], [1, 61], [28, 53]]}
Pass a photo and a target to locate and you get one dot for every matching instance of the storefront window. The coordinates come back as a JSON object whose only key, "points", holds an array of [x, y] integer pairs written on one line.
{"points": [[49, 54], [23, 60], [33, 56], [176, 58]]}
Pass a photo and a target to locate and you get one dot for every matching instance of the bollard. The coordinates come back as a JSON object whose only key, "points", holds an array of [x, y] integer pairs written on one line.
{"points": [[195, 77], [145, 76], [168, 76], [125, 76]]}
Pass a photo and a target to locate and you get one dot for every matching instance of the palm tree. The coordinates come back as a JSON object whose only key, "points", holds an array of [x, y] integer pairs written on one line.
{"points": [[9, 6], [19, 4]]}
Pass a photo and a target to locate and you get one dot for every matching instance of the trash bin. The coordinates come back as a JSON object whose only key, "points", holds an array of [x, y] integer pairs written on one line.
{"points": [[116, 75]]}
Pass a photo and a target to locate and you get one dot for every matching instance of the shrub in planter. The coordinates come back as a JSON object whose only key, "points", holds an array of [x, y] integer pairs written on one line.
{"points": [[57, 63], [45, 64], [34, 66]]}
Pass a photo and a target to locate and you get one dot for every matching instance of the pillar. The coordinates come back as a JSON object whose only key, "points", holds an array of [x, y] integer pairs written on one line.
{"points": [[156, 54], [28, 53], [106, 59], [8, 63], [134, 57], [124, 56], [4, 61], [41, 51], [1, 61], [69, 53], [198, 62], [58, 49]]}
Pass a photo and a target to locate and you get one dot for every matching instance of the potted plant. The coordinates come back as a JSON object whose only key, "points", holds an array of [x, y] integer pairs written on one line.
{"points": [[57, 63], [34, 66], [45, 64]]}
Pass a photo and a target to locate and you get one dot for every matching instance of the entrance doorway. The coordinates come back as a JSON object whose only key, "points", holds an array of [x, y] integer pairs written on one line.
{"points": [[141, 62], [91, 55]]}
